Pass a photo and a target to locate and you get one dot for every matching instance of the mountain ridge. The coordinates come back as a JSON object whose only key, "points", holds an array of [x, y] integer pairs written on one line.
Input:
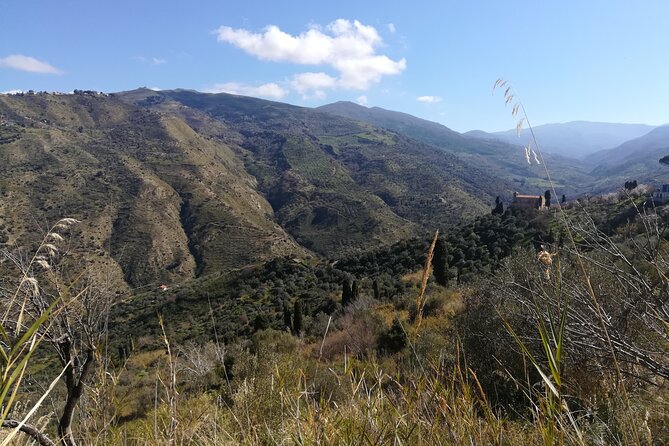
{"points": [[503, 159], [635, 159], [576, 139]]}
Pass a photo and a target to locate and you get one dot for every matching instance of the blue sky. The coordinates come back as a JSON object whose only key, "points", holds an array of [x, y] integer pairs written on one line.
{"points": [[568, 60]]}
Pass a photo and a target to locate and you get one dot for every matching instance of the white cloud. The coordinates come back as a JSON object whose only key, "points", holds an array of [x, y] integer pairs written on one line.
{"points": [[362, 100], [270, 90], [29, 64], [429, 99], [347, 47], [313, 85], [391, 28], [150, 60]]}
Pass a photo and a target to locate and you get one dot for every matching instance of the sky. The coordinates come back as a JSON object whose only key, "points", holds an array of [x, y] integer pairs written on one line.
{"points": [[566, 60]]}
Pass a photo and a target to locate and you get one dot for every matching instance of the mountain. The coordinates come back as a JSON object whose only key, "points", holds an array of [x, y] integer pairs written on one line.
{"points": [[158, 202], [174, 185], [636, 159], [416, 128], [334, 183], [575, 139], [502, 159]]}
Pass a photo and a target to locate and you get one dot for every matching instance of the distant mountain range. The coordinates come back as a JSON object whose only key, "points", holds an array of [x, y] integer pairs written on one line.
{"points": [[576, 139], [582, 157], [636, 159], [502, 159]]}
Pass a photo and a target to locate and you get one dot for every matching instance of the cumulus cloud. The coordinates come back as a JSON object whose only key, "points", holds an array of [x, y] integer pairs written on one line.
{"points": [[429, 99], [29, 64], [349, 48], [270, 90], [362, 100], [312, 84]]}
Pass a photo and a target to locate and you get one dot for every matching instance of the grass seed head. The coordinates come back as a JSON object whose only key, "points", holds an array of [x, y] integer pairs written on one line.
{"points": [[55, 236]]}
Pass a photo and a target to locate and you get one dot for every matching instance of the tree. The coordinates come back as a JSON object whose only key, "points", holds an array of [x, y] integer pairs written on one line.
{"points": [[287, 317], [440, 263], [376, 290], [260, 322], [564, 199], [547, 197], [346, 293], [297, 317], [499, 207], [355, 292], [394, 339], [78, 326], [630, 185]]}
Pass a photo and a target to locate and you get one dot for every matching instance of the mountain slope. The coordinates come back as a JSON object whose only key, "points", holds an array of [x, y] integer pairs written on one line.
{"points": [[335, 184], [575, 139], [635, 159], [504, 160], [177, 184], [158, 202], [416, 128]]}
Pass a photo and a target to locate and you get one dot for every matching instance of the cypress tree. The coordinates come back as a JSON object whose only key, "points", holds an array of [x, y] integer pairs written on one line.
{"points": [[547, 196], [346, 293], [355, 293], [440, 263], [287, 318], [499, 207], [375, 288], [297, 317]]}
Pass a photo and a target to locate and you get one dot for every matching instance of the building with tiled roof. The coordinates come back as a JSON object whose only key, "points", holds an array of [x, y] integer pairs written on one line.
{"points": [[528, 201]]}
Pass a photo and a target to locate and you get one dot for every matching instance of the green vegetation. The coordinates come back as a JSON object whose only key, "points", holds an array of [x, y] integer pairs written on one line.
{"points": [[234, 356], [296, 318]]}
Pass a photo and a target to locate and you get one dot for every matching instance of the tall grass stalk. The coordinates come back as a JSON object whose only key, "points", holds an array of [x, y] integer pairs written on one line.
{"points": [[550, 339], [420, 300]]}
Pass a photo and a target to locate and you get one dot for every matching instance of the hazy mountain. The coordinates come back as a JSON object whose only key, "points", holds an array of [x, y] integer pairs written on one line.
{"points": [[636, 159], [575, 139], [502, 159]]}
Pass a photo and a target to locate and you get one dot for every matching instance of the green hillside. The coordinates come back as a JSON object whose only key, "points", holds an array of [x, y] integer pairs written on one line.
{"points": [[160, 201], [504, 160], [292, 244], [335, 183], [177, 184]]}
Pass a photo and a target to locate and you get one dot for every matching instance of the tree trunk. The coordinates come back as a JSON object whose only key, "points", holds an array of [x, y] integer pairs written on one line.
{"points": [[75, 388]]}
